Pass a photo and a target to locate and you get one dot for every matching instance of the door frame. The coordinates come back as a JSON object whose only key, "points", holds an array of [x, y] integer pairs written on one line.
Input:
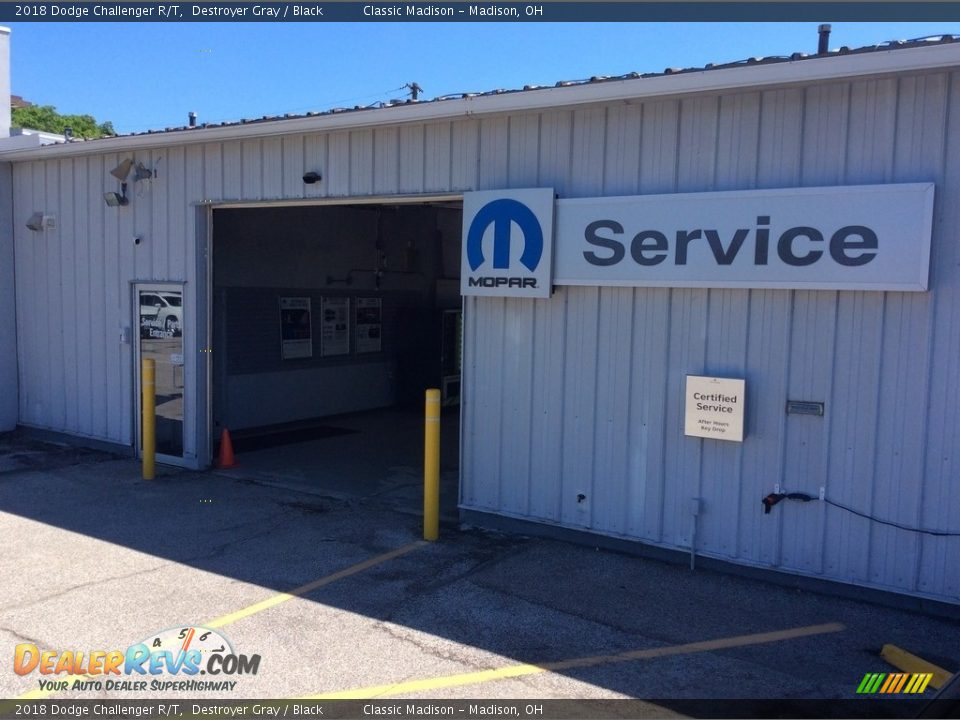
{"points": [[136, 287]]}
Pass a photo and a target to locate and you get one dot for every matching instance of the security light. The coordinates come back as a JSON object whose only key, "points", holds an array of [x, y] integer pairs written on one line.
{"points": [[35, 222], [141, 172], [117, 199], [121, 171], [312, 177]]}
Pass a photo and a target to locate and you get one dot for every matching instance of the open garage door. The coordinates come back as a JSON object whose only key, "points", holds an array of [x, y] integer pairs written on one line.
{"points": [[329, 322]]}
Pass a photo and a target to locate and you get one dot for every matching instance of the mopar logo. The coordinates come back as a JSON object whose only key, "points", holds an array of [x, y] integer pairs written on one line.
{"points": [[507, 243], [513, 282], [502, 214]]}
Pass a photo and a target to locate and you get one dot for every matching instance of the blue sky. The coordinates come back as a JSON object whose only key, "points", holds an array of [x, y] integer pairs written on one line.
{"points": [[145, 75]]}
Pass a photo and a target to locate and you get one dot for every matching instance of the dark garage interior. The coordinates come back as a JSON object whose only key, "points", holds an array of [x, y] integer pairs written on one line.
{"points": [[329, 323]]}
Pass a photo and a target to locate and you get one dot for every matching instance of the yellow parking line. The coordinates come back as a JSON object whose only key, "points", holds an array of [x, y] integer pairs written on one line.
{"points": [[903, 660], [511, 671], [304, 589], [267, 604]]}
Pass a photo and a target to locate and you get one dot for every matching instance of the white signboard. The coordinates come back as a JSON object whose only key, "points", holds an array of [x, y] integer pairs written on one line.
{"points": [[714, 408], [868, 237], [369, 324], [296, 334], [335, 326], [861, 237], [507, 243]]}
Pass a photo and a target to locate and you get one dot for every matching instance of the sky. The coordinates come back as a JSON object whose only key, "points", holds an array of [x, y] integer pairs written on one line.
{"points": [[145, 76]]}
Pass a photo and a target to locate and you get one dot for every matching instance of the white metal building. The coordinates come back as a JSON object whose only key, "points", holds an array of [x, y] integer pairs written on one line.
{"points": [[573, 404]]}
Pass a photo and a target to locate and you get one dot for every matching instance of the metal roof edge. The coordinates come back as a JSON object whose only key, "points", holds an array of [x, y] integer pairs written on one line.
{"points": [[811, 69]]}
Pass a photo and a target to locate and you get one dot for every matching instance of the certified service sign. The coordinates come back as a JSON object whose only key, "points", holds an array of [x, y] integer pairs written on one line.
{"points": [[508, 243], [714, 408]]}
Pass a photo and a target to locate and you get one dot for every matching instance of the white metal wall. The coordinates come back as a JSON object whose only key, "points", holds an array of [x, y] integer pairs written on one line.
{"points": [[583, 393], [9, 409], [73, 282]]}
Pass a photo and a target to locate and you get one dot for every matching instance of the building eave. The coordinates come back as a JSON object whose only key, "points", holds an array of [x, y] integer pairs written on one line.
{"points": [[807, 70]]}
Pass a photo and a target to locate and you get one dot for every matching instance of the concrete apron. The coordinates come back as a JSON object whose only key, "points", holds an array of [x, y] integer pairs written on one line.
{"points": [[379, 459]]}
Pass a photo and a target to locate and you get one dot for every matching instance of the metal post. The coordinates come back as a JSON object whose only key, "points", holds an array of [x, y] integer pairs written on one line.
{"points": [[695, 511], [148, 443], [431, 466]]}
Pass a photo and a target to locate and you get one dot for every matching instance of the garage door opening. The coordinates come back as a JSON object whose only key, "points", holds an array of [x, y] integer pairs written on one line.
{"points": [[329, 323]]}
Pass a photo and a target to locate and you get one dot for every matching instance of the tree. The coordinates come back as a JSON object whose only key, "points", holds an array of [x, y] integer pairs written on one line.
{"points": [[46, 118]]}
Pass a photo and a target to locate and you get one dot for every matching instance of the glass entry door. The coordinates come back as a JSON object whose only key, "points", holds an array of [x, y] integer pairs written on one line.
{"points": [[159, 315]]}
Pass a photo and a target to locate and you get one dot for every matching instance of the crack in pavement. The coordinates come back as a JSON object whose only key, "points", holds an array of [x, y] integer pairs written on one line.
{"points": [[81, 586], [491, 557], [18, 636], [218, 550], [391, 630]]}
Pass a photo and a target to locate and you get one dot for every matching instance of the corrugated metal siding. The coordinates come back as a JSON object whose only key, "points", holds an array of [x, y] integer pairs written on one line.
{"points": [[73, 290], [583, 393]]}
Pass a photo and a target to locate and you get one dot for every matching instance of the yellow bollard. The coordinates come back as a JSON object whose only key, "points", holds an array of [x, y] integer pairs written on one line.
{"points": [[148, 426], [431, 467]]}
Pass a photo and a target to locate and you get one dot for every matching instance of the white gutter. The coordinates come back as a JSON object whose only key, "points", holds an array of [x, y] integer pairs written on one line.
{"points": [[750, 76]]}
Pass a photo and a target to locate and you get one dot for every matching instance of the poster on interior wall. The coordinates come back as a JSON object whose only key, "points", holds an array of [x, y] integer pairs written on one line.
{"points": [[369, 324], [296, 334], [335, 328]]}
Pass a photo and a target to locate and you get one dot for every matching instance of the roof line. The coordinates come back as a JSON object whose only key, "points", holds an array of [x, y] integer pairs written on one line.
{"points": [[831, 67]]}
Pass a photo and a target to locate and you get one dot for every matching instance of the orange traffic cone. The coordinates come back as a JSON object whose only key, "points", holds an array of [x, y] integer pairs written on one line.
{"points": [[226, 451]]}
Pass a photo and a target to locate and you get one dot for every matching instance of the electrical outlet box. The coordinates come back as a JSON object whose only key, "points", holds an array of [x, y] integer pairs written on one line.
{"points": [[823, 492], [776, 488]]}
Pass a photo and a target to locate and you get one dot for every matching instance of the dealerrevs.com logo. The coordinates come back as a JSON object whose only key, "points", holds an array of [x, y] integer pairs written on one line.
{"points": [[170, 660], [508, 239]]}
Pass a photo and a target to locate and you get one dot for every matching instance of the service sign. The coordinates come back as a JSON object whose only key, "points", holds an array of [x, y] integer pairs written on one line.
{"points": [[714, 408], [507, 243], [867, 237]]}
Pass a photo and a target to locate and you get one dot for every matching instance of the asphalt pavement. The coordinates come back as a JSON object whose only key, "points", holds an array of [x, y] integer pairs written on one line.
{"points": [[338, 596]]}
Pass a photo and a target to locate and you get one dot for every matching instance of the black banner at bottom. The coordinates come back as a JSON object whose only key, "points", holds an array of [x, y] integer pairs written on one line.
{"points": [[477, 709]]}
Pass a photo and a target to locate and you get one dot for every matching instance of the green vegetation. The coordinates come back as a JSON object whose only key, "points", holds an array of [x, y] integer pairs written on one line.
{"points": [[46, 118]]}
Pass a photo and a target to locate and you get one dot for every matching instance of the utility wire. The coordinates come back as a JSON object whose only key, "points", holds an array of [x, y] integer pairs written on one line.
{"points": [[935, 533]]}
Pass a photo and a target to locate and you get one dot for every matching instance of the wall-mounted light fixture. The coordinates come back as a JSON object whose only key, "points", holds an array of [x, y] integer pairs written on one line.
{"points": [[141, 172], [35, 222], [117, 199], [312, 177], [121, 171], [41, 221]]}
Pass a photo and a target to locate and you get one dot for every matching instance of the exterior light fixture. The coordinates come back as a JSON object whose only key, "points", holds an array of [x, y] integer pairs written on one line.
{"points": [[117, 199], [121, 171], [312, 177], [35, 222], [141, 172], [40, 221]]}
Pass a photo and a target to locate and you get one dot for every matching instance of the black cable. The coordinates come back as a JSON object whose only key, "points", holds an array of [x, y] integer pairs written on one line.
{"points": [[936, 533]]}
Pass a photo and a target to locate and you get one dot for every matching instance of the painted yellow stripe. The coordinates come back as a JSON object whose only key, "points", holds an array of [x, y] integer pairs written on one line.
{"points": [[512, 671], [927, 679], [903, 660], [267, 604], [304, 589]]}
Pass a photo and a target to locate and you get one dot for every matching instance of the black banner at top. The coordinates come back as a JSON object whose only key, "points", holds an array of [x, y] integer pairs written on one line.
{"points": [[476, 12]]}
